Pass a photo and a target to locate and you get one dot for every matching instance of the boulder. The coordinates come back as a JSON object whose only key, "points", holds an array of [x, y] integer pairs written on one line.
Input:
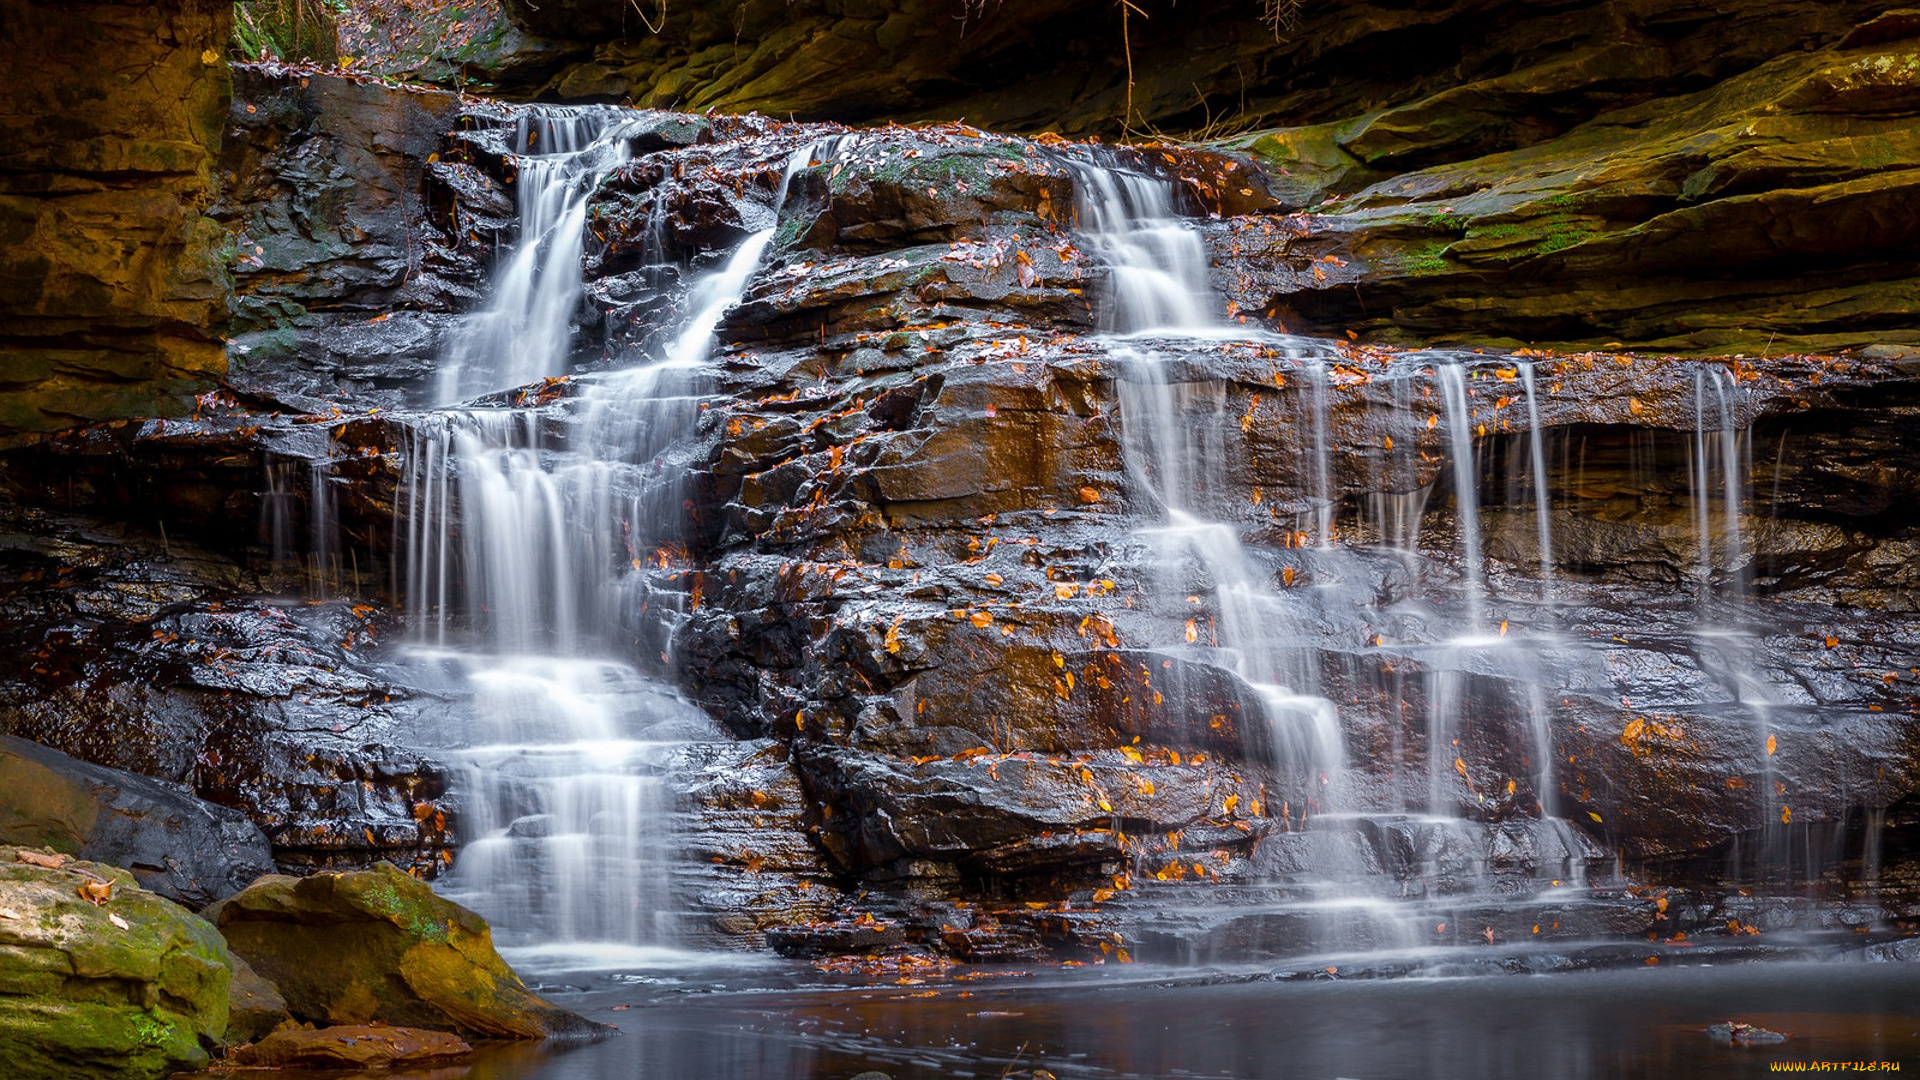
{"points": [[359, 1046], [367, 945], [131, 987], [176, 845], [254, 1005]]}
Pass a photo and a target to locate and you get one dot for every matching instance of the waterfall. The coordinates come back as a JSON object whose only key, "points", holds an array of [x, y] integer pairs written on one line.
{"points": [[1466, 490], [1542, 500], [1157, 264], [1157, 286], [543, 547], [1728, 647], [525, 331], [1380, 874]]}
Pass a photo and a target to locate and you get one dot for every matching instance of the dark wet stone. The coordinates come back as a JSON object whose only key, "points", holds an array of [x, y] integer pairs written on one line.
{"points": [[160, 658], [176, 845]]}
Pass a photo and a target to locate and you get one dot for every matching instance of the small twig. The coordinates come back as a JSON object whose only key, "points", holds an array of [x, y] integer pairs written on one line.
{"points": [[644, 21]]}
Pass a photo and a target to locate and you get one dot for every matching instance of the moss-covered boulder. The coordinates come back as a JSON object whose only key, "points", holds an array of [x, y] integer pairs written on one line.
{"points": [[130, 987], [378, 945]]}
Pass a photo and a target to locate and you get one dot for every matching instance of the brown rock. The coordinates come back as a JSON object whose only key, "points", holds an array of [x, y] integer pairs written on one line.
{"points": [[360, 946], [254, 1005], [115, 289], [359, 1046]]}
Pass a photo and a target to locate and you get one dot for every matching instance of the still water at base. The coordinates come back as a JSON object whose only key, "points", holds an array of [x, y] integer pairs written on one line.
{"points": [[1142, 1023]]}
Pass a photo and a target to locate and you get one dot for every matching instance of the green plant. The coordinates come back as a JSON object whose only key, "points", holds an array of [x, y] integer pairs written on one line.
{"points": [[287, 30]]}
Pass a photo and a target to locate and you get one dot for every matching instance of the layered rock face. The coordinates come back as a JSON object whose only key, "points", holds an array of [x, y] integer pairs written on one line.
{"points": [[1699, 178], [926, 572], [115, 286], [341, 267], [970, 579], [163, 658]]}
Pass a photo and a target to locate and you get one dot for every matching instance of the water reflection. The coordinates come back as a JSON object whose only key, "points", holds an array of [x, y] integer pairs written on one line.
{"points": [[1113, 1026]]}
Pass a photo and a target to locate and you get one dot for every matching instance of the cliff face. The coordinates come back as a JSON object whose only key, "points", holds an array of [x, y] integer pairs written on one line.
{"points": [[924, 576], [112, 287], [1691, 177], [923, 580], [1500, 73]]}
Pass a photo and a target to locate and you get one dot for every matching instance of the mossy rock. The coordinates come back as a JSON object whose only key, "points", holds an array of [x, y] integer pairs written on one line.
{"points": [[379, 945], [135, 987]]}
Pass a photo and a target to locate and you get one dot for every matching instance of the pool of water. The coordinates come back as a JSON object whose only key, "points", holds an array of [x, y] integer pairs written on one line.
{"points": [[779, 1020]]}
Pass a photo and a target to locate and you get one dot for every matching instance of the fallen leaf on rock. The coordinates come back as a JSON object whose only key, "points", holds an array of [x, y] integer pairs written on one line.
{"points": [[118, 921], [35, 858], [1023, 268]]}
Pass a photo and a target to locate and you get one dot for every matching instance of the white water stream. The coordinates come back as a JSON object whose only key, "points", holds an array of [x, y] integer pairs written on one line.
{"points": [[1158, 275], [530, 535]]}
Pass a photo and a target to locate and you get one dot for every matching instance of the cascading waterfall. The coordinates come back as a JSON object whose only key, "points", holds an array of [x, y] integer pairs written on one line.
{"points": [[1466, 490], [1726, 645], [1157, 264], [1166, 458], [525, 331], [1173, 449], [1542, 500], [531, 535], [1158, 268]]}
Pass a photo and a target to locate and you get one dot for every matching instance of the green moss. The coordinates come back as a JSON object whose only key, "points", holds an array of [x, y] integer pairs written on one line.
{"points": [[1877, 152], [789, 231], [1429, 262], [939, 171], [1546, 235]]}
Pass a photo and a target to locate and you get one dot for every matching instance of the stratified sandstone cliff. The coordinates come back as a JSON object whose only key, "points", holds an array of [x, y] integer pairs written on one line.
{"points": [[112, 285]]}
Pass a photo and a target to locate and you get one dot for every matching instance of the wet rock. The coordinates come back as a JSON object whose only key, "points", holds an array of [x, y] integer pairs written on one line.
{"points": [[335, 222], [175, 845], [351, 1047], [366, 945], [751, 861], [133, 986], [154, 656], [254, 1005], [836, 938], [1735, 1033]]}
